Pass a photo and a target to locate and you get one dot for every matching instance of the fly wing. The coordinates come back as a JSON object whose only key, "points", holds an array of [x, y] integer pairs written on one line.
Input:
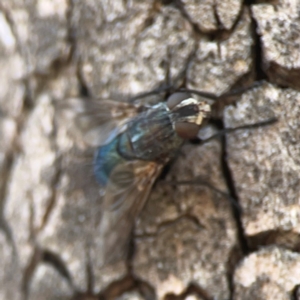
{"points": [[102, 120], [126, 193]]}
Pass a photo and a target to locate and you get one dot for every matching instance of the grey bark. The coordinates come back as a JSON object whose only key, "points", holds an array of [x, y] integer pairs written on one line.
{"points": [[190, 242]]}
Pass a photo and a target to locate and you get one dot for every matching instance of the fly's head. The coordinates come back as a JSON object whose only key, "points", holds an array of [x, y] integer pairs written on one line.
{"points": [[188, 115]]}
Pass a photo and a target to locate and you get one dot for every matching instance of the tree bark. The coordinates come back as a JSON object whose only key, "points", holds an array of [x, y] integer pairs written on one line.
{"points": [[191, 241]]}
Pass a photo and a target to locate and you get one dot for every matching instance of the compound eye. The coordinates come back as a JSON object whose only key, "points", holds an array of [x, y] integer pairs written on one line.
{"points": [[187, 130], [176, 98]]}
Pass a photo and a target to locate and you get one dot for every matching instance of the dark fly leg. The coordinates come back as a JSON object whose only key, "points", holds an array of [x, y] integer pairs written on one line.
{"points": [[224, 131], [228, 95], [156, 91], [221, 100], [203, 182], [171, 84]]}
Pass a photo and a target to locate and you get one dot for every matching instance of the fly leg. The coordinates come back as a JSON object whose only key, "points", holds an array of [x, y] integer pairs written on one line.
{"points": [[224, 131], [200, 181]]}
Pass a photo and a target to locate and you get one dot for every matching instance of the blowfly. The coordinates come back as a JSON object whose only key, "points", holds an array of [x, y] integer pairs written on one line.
{"points": [[134, 142]]}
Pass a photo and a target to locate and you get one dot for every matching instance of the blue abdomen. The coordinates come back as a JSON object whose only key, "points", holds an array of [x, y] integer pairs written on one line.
{"points": [[106, 159]]}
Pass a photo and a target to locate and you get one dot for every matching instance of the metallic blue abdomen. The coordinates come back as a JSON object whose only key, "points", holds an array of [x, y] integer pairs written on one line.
{"points": [[106, 158]]}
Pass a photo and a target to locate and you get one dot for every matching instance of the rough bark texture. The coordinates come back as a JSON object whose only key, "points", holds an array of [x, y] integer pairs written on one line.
{"points": [[190, 242]]}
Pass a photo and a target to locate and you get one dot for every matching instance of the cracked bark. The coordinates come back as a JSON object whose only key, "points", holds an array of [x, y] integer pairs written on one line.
{"points": [[189, 242]]}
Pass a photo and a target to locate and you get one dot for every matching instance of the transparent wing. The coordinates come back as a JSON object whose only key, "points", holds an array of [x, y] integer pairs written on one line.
{"points": [[102, 120], [125, 196]]}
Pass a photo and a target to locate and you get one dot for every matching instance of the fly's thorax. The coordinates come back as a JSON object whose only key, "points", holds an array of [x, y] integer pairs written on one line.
{"points": [[150, 136], [188, 114]]}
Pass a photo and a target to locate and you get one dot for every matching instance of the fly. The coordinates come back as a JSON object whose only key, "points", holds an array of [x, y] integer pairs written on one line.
{"points": [[134, 143], [129, 163]]}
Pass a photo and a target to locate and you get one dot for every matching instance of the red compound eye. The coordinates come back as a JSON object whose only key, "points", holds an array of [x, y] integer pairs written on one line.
{"points": [[176, 98], [186, 130]]}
